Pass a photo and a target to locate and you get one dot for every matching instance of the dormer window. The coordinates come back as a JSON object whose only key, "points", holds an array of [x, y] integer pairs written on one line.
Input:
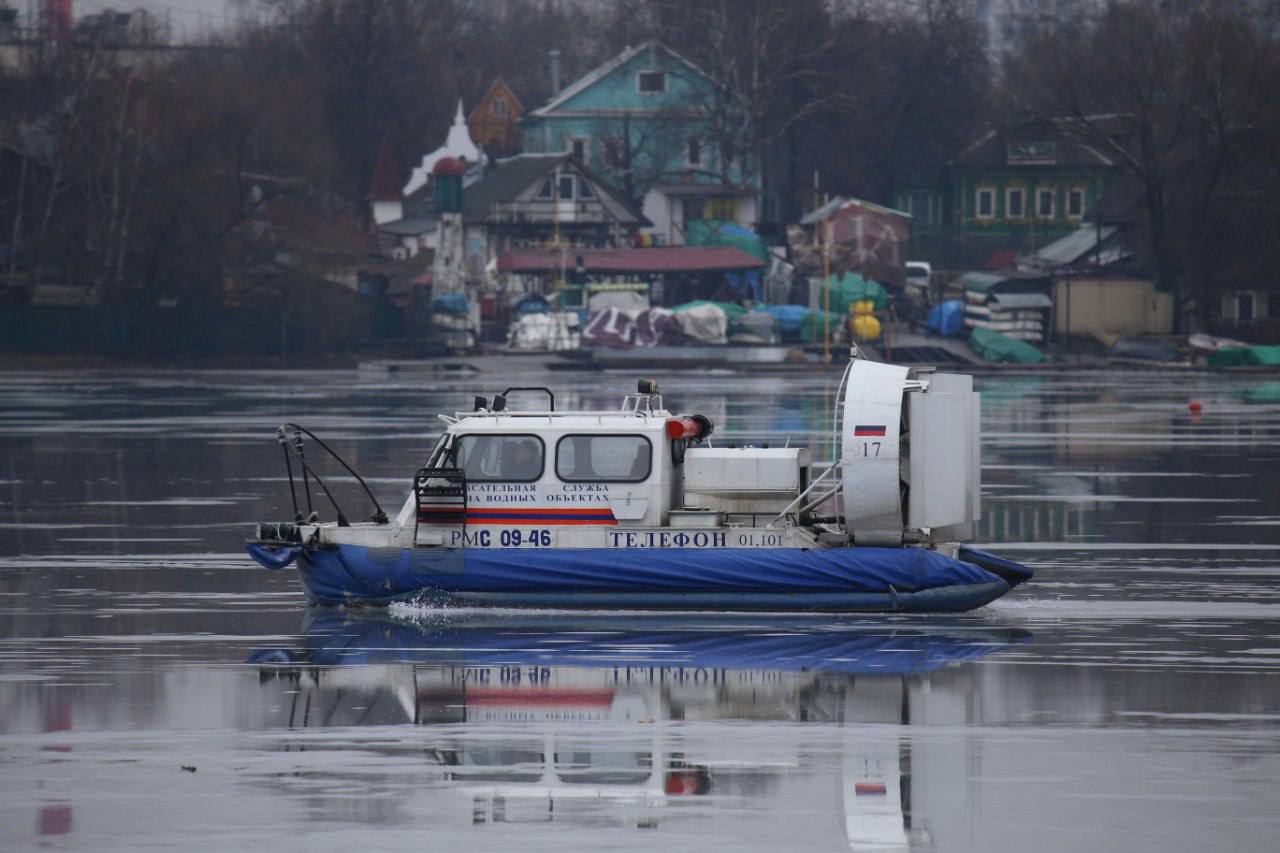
{"points": [[651, 82], [500, 108]]}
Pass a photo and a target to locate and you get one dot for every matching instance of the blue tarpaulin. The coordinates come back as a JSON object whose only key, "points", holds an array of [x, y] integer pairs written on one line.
{"points": [[450, 303], [947, 319], [791, 318], [652, 575], [533, 304]]}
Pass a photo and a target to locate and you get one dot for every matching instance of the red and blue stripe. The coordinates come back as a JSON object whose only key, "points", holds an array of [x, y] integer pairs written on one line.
{"points": [[519, 515]]}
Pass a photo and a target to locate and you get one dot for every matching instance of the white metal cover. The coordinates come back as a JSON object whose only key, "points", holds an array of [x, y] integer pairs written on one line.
{"points": [[744, 469], [943, 455], [870, 452]]}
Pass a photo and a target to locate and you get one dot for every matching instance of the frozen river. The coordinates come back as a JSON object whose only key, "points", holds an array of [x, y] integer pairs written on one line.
{"points": [[159, 690]]}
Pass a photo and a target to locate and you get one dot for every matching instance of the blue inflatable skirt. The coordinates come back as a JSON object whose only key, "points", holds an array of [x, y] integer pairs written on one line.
{"points": [[769, 579]]}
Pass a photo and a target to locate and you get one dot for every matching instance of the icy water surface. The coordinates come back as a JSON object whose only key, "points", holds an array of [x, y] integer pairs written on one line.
{"points": [[158, 690]]}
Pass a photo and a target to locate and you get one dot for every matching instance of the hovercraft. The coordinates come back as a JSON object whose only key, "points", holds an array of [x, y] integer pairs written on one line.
{"points": [[635, 508]]}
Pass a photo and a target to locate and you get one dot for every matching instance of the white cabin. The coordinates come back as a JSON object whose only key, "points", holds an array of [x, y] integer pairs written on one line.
{"points": [[643, 477]]}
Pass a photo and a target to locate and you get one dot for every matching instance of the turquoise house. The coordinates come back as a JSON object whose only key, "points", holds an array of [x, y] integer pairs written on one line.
{"points": [[650, 122]]}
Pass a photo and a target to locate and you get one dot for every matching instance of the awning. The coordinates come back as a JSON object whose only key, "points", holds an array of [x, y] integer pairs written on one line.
{"points": [[1074, 246], [658, 260]]}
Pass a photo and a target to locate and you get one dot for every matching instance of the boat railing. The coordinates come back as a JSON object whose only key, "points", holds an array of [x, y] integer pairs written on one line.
{"points": [[440, 496], [290, 437], [830, 488]]}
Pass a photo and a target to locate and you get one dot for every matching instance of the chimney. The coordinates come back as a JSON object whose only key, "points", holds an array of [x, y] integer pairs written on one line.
{"points": [[555, 72]]}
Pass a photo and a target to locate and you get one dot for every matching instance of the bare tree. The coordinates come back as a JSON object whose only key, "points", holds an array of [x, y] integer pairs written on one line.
{"points": [[766, 62], [1171, 93]]}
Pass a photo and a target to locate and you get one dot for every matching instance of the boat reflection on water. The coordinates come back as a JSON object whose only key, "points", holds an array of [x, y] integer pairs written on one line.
{"points": [[543, 719]]}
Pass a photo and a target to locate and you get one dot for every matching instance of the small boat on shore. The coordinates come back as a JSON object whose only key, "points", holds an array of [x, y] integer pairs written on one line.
{"points": [[635, 508]]}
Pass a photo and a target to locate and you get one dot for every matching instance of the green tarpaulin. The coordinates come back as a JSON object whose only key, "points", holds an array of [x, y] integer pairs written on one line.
{"points": [[996, 347], [730, 310], [810, 330], [718, 232], [850, 288], [1246, 357]]}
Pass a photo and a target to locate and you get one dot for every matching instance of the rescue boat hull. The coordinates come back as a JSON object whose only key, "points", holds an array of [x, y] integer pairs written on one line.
{"points": [[860, 579]]}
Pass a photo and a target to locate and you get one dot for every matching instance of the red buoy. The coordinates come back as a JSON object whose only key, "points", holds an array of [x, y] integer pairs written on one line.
{"points": [[1194, 406]]}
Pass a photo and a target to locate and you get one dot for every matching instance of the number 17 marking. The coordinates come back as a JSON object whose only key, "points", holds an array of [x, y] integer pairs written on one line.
{"points": [[866, 445]]}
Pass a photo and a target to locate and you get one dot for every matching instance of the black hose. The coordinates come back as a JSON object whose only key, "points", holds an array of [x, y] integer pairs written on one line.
{"points": [[379, 516], [306, 478], [306, 469], [288, 467]]}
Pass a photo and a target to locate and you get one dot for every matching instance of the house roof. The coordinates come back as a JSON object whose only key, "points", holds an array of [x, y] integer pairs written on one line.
{"points": [[1002, 282], [504, 181], [1074, 246], [665, 259], [498, 85], [991, 149], [508, 178], [839, 203], [600, 72]]}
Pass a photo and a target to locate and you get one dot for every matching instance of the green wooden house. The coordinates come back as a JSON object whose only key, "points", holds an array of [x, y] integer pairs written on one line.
{"points": [[1012, 191]]}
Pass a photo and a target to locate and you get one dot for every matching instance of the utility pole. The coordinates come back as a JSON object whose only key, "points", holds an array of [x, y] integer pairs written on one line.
{"points": [[826, 283]]}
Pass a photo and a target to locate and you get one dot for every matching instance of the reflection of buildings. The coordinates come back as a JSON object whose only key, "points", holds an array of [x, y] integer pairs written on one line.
{"points": [[1013, 520], [1064, 460], [588, 727]]}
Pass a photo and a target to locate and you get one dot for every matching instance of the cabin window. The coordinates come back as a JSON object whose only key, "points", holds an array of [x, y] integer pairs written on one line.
{"points": [[1075, 203], [604, 458], [584, 189], [1044, 203], [546, 191], [503, 458], [580, 147], [986, 203], [1014, 204], [651, 82], [500, 108]]}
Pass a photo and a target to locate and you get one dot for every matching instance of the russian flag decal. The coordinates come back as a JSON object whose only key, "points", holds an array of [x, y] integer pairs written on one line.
{"points": [[863, 429]]}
